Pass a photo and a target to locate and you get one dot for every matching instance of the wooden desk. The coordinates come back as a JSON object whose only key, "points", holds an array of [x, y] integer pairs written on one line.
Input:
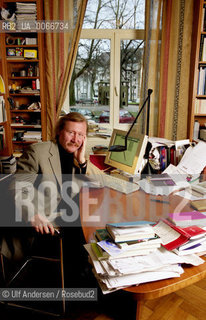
{"points": [[99, 206]]}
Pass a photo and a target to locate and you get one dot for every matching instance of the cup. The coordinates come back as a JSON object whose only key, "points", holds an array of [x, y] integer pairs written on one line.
{"points": [[23, 73]]}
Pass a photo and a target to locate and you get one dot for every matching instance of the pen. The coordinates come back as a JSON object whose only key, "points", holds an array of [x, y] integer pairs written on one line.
{"points": [[160, 201]]}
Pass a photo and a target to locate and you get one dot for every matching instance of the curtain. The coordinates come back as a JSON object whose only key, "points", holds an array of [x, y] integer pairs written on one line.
{"points": [[151, 63], [60, 53], [175, 68]]}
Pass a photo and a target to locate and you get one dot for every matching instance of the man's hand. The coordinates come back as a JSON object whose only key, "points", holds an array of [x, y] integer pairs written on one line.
{"points": [[42, 224], [80, 153]]}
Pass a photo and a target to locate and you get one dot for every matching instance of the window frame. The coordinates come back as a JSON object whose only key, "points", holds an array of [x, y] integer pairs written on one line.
{"points": [[115, 36]]}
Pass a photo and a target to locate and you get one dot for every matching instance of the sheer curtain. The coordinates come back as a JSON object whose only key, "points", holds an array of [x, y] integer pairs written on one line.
{"points": [[60, 53]]}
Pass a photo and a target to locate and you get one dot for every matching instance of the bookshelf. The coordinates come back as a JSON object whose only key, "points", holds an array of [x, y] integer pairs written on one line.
{"points": [[197, 89], [22, 56], [5, 132]]}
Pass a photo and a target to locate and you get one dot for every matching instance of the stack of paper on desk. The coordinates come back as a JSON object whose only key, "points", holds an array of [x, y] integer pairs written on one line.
{"points": [[123, 272], [126, 263]]}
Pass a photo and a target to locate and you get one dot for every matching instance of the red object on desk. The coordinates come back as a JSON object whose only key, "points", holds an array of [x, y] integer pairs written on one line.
{"points": [[178, 241], [98, 161]]}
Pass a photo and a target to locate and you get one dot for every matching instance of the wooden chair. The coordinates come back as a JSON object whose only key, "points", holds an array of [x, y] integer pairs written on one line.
{"points": [[34, 256]]}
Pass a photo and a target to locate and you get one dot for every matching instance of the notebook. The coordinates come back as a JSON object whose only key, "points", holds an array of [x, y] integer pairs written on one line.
{"points": [[199, 204]]}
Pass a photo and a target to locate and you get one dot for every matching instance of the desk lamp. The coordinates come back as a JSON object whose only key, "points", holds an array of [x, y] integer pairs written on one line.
{"points": [[120, 148]]}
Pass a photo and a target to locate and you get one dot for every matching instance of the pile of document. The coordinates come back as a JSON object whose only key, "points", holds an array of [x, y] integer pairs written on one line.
{"points": [[8, 164], [26, 13], [130, 262], [32, 136], [180, 176]]}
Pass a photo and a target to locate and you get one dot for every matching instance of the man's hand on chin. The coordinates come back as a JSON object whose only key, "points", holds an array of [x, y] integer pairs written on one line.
{"points": [[42, 224], [79, 154]]}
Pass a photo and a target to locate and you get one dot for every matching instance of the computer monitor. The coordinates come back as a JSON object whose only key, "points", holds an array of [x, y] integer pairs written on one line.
{"points": [[130, 160]]}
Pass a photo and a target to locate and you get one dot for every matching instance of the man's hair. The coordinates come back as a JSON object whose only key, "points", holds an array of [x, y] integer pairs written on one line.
{"points": [[72, 116]]}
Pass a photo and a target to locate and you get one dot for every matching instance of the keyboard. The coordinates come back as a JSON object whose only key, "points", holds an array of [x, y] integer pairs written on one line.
{"points": [[119, 184]]}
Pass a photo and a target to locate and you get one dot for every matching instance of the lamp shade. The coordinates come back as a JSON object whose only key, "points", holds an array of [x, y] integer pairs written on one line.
{"points": [[2, 85]]}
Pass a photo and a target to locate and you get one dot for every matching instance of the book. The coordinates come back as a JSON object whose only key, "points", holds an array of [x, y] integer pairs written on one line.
{"points": [[172, 236], [192, 243], [98, 161], [115, 252], [198, 204], [129, 231], [199, 189], [143, 243], [102, 234], [196, 248], [131, 223], [197, 236], [183, 219], [161, 180], [99, 252], [8, 160], [195, 232]]}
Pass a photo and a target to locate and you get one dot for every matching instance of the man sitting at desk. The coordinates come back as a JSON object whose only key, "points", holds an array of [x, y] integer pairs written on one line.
{"points": [[55, 164], [47, 183]]}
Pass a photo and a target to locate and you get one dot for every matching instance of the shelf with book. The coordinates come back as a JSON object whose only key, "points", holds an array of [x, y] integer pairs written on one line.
{"points": [[24, 73], [5, 132], [5, 139], [23, 111], [197, 92]]}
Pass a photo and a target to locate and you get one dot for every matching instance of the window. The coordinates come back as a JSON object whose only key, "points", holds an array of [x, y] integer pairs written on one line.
{"points": [[107, 75]]}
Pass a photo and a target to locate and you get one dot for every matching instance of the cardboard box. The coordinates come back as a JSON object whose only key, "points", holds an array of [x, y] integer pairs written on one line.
{"points": [[30, 54]]}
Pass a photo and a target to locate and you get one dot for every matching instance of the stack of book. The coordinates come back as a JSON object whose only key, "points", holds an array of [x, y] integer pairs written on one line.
{"points": [[8, 164], [123, 240], [126, 254], [182, 241], [26, 13], [195, 244], [131, 231], [32, 136]]}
